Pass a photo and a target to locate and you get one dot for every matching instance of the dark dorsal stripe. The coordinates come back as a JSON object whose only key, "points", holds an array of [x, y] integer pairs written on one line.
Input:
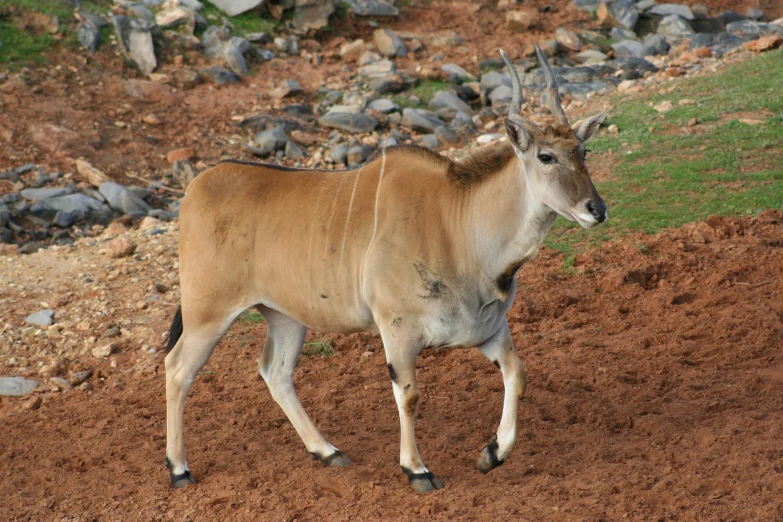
{"points": [[477, 167]]}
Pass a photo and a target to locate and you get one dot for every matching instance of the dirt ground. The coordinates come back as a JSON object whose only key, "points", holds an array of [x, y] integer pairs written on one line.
{"points": [[655, 393], [654, 364]]}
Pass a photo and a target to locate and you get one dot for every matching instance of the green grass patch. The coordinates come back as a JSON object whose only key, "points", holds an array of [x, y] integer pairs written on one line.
{"points": [[243, 23], [424, 91], [322, 347], [251, 317], [667, 177], [22, 43]]}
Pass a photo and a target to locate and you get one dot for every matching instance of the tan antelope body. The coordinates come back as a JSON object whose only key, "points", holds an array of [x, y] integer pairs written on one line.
{"points": [[411, 245]]}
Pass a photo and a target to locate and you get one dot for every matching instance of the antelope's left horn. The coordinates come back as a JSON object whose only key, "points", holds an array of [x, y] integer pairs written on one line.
{"points": [[516, 86], [552, 93]]}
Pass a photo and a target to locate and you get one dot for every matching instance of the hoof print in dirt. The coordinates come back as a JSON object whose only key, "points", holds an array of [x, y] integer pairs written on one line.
{"points": [[182, 479], [422, 482], [488, 460], [335, 460]]}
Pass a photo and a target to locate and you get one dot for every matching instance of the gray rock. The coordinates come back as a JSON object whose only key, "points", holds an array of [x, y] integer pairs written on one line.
{"points": [[41, 318], [635, 64], [749, 28], [644, 5], [142, 192], [218, 75], [89, 37], [174, 16], [142, 50], [420, 120], [358, 123], [389, 43], [568, 39], [271, 140], [629, 48], [235, 7], [294, 151], [82, 204], [66, 219], [463, 124], [585, 90], [383, 105], [378, 69], [233, 56], [456, 70], [240, 43], [625, 12], [259, 38], [655, 44], [358, 154], [212, 40], [719, 43], [16, 386], [493, 79], [674, 27], [590, 57], [287, 88], [122, 199], [45, 193], [618, 33], [683, 11], [430, 141], [281, 44], [5, 215], [373, 7], [122, 29], [89, 17], [589, 6], [141, 12], [389, 84], [312, 14], [500, 96], [448, 100], [345, 109], [390, 141], [754, 14], [339, 153], [447, 135]]}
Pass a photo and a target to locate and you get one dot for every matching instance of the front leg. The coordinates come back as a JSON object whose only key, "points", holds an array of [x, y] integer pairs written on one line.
{"points": [[500, 350], [401, 363]]}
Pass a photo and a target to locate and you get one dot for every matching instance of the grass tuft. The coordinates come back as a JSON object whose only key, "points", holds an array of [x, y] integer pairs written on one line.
{"points": [[322, 347]]}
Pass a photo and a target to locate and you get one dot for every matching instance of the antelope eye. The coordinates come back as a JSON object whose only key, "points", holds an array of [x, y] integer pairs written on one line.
{"points": [[546, 159]]}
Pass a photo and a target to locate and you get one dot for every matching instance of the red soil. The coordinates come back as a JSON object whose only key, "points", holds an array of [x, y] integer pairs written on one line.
{"points": [[655, 393]]}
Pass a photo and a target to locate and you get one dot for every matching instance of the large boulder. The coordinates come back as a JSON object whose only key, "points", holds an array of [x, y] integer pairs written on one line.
{"points": [[373, 7], [312, 14], [235, 7]]}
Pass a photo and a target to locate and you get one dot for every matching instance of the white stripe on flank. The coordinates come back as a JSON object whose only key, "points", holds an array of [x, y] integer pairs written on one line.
{"points": [[348, 216], [377, 197]]}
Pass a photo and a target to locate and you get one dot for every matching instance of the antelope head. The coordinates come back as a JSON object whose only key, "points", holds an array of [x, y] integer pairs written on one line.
{"points": [[552, 158]]}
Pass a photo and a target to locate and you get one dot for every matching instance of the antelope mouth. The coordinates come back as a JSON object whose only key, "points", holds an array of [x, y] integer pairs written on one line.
{"points": [[585, 220]]}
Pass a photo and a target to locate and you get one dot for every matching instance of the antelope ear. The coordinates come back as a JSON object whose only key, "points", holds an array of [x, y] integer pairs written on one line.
{"points": [[519, 131], [586, 128]]}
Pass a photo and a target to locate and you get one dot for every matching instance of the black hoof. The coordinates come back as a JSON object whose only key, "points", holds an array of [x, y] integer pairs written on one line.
{"points": [[488, 460], [422, 482], [335, 460], [181, 480]]}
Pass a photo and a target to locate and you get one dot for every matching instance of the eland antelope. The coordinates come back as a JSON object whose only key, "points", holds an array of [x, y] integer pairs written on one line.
{"points": [[411, 245]]}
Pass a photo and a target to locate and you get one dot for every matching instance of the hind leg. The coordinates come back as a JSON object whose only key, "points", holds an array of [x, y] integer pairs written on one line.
{"points": [[182, 365], [277, 363]]}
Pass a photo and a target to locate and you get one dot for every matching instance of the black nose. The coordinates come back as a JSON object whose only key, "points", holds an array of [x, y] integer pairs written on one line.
{"points": [[597, 209]]}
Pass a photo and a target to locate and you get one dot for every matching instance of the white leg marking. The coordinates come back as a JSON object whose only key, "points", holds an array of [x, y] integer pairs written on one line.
{"points": [[283, 345], [500, 350]]}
